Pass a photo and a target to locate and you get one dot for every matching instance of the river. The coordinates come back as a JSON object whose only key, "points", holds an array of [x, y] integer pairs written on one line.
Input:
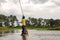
{"points": [[33, 35]]}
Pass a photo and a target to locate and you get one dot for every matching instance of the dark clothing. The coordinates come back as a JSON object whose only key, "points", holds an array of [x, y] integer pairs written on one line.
{"points": [[24, 31]]}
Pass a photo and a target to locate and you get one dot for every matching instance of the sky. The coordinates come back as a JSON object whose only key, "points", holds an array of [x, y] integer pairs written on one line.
{"points": [[31, 8]]}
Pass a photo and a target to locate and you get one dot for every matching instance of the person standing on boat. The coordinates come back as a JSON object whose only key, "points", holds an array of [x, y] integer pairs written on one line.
{"points": [[24, 28]]}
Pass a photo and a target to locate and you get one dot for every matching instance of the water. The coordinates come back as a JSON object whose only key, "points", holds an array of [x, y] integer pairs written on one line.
{"points": [[33, 35]]}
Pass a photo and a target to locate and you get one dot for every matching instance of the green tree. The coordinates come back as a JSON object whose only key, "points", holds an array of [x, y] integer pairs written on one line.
{"points": [[12, 19], [57, 22], [51, 22], [39, 21], [34, 21]]}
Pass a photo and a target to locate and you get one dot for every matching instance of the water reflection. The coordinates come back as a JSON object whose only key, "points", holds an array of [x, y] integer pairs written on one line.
{"points": [[0, 34], [3, 33], [24, 37], [9, 32]]}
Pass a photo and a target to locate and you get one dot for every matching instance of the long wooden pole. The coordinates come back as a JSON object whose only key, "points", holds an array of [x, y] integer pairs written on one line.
{"points": [[24, 30], [21, 7]]}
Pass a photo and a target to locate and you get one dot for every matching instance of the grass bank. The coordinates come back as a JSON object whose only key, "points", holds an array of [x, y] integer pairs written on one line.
{"points": [[44, 27], [30, 27]]}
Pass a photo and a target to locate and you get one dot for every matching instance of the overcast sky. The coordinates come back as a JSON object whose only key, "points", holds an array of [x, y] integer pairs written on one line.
{"points": [[31, 8]]}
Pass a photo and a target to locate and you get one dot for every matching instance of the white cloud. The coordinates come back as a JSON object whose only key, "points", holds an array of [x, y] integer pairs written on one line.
{"points": [[48, 9]]}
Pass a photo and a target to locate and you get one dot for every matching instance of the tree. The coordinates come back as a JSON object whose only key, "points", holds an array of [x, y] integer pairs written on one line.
{"points": [[32, 21], [39, 21], [7, 20], [51, 22], [57, 22], [2, 19], [12, 19]]}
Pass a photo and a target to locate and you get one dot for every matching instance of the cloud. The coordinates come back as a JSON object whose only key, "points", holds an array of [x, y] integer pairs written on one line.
{"points": [[2, 1], [49, 9], [10, 8], [14, 1], [57, 2], [32, 8], [44, 13], [38, 1]]}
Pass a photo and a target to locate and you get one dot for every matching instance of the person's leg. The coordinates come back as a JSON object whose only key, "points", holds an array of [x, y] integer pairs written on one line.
{"points": [[24, 30]]}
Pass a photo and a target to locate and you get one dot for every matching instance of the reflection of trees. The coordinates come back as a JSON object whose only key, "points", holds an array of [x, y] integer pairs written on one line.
{"points": [[3, 33]]}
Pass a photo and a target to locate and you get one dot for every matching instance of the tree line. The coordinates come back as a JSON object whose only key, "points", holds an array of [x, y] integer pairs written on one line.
{"points": [[43, 22], [7, 20]]}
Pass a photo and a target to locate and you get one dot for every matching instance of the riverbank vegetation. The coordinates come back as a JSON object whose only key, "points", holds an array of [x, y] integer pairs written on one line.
{"points": [[8, 23], [30, 28], [43, 28]]}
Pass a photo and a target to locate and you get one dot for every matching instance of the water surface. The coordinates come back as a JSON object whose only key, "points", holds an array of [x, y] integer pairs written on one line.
{"points": [[33, 35]]}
